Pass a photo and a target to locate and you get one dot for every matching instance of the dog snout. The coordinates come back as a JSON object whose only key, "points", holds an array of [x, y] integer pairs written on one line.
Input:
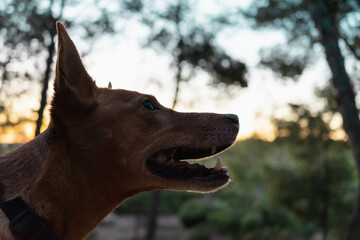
{"points": [[234, 119]]}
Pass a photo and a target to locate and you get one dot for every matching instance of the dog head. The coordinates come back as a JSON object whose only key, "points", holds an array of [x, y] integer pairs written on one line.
{"points": [[130, 137]]}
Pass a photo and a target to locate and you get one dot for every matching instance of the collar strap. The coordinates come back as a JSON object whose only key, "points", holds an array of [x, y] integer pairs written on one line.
{"points": [[23, 222]]}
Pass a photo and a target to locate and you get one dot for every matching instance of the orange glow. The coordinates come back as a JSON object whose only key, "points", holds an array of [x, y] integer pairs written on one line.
{"points": [[24, 132], [18, 134], [21, 133], [338, 135]]}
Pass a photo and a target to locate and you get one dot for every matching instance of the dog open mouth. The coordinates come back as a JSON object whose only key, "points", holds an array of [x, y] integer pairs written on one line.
{"points": [[171, 163]]}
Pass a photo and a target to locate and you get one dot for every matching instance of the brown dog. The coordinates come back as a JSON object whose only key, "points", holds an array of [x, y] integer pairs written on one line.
{"points": [[104, 146]]}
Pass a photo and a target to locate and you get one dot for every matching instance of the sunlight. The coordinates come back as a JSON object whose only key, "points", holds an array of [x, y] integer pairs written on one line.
{"points": [[21, 133]]}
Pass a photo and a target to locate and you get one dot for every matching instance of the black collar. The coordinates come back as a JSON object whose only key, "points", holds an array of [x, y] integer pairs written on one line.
{"points": [[23, 222]]}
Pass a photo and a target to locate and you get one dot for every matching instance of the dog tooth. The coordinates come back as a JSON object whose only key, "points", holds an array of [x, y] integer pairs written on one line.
{"points": [[218, 164], [213, 150]]}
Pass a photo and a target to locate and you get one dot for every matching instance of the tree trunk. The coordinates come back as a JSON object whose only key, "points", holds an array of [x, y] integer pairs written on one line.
{"points": [[344, 92], [354, 224], [324, 191], [45, 82], [177, 85], [154, 211]]}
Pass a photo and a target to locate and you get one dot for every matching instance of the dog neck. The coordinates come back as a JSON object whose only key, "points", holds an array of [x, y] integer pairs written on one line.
{"points": [[68, 190], [20, 172], [22, 168], [76, 190]]}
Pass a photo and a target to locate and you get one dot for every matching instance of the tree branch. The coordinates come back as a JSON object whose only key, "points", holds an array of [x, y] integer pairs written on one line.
{"points": [[9, 123], [61, 9], [351, 47]]}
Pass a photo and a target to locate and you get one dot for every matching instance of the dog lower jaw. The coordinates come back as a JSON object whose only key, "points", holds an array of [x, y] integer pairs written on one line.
{"points": [[175, 169], [177, 174], [195, 185], [207, 187]]}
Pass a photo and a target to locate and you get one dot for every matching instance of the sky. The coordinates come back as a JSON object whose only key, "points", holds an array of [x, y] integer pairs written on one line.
{"points": [[122, 60]]}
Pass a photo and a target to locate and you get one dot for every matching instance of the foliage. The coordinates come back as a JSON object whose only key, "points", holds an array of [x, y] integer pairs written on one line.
{"points": [[27, 32], [5, 148], [176, 30], [201, 233], [276, 194], [193, 212], [171, 201], [138, 204], [224, 218], [307, 191], [289, 60]]}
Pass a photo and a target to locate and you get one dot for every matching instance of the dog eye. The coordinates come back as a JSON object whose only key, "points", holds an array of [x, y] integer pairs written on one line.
{"points": [[148, 105]]}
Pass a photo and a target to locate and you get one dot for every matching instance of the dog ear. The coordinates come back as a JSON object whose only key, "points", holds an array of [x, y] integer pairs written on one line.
{"points": [[73, 86]]}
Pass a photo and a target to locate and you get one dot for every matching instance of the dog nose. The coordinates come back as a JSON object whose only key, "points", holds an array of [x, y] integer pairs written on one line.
{"points": [[233, 118]]}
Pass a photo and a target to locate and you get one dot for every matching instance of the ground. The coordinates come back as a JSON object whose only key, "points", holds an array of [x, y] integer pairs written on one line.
{"points": [[133, 227]]}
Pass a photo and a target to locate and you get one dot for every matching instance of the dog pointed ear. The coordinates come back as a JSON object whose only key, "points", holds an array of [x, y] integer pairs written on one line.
{"points": [[73, 85]]}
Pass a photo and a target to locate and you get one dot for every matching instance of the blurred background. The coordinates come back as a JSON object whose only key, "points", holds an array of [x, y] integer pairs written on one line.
{"points": [[289, 69]]}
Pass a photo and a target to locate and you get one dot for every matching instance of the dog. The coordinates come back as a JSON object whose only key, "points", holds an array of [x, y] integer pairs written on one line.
{"points": [[103, 146]]}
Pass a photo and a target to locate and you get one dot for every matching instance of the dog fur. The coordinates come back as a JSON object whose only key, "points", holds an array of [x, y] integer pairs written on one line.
{"points": [[92, 155]]}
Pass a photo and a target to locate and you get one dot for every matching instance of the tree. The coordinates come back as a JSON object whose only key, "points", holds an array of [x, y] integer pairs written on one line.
{"points": [[28, 31], [313, 182], [191, 44], [312, 22], [176, 31]]}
